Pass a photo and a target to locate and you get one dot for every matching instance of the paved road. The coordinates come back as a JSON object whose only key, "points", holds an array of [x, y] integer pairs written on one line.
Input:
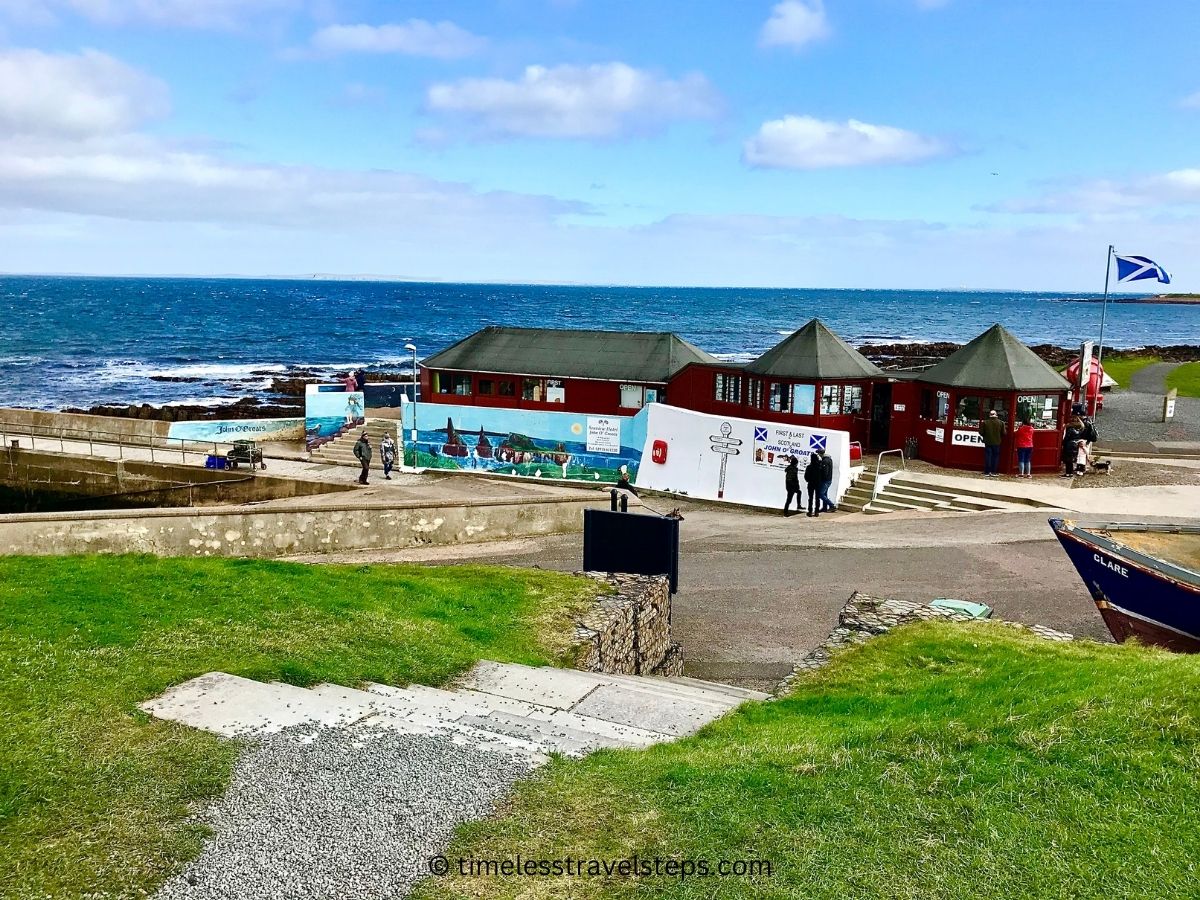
{"points": [[757, 591]]}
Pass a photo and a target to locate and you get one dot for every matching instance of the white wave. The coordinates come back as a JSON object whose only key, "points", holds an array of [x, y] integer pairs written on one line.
{"points": [[736, 357], [211, 402], [20, 360], [879, 341], [114, 372]]}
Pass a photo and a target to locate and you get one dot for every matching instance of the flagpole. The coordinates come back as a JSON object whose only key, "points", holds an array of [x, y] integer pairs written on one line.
{"points": [[1100, 349]]}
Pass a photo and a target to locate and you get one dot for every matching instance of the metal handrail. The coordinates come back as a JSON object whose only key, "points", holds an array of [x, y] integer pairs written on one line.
{"points": [[879, 462], [91, 436]]}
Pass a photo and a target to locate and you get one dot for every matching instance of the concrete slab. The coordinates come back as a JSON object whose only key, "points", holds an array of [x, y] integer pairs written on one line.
{"points": [[232, 706], [559, 688], [629, 706]]}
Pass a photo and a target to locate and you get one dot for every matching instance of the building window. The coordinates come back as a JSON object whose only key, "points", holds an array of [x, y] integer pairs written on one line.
{"points": [[532, 389], [1041, 410], [935, 406], [654, 395], [831, 399], [507, 389], [632, 396], [804, 399], [728, 388], [755, 393], [779, 397], [485, 386], [971, 409], [556, 391], [448, 383], [852, 399]]}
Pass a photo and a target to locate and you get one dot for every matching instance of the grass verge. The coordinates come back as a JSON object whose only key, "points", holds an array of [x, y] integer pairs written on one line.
{"points": [[1185, 379], [94, 795], [935, 762]]}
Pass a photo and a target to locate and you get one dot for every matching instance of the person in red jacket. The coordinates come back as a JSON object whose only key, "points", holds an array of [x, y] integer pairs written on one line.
{"points": [[1024, 442]]}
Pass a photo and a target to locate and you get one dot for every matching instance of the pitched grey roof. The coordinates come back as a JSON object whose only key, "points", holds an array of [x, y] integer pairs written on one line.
{"points": [[995, 360], [607, 355], [814, 352]]}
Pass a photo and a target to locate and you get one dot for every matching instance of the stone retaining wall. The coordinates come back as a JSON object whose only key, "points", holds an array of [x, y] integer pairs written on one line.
{"points": [[863, 618], [629, 632], [293, 527]]}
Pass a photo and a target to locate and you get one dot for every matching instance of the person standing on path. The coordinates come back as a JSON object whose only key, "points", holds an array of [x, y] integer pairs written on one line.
{"points": [[814, 474], [991, 430], [791, 481], [1070, 446], [1025, 449], [387, 455], [362, 452], [826, 481]]}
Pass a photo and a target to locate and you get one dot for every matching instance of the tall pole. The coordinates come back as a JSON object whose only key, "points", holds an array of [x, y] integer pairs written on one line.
{"points": [[1100, 348], [414, 406]]}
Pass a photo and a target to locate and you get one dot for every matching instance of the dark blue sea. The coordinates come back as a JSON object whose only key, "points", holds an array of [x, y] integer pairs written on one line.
{"points": [[68, 341]]}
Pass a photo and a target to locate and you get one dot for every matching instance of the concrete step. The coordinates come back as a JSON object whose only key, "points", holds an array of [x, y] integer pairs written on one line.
{"points": [[881, 504], [235, 707], [693, 689], [477, 703], [737, 693]]}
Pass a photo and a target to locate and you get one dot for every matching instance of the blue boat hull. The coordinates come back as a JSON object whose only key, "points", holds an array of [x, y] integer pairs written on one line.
{"points": [[1139, 596]]}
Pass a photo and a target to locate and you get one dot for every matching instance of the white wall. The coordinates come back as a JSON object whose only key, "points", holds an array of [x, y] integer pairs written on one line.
{"points": [[694, 468]]}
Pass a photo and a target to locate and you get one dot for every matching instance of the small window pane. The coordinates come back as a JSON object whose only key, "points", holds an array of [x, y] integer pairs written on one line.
{"points": [[631, 396], [779, 397], [852, 399], [556, 391], [531, 389], [831, 398], [485, 386], [1040, 410], [804, 399], [507, 389]]}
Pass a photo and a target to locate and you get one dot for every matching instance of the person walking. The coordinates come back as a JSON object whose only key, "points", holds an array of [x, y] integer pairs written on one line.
{"points": [[1070, 446], [387, 455], [1024, 441], [362, 452], [827, 505], [814, 474], [791, 481], [991, 430]]}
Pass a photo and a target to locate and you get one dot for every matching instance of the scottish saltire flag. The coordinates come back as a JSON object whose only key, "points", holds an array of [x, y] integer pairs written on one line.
{"points": [[1139, 268], [816, 442]]}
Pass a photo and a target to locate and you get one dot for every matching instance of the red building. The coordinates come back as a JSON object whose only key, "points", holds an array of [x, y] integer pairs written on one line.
{"points": [[994, 371], [811, 378], [599, 372]]}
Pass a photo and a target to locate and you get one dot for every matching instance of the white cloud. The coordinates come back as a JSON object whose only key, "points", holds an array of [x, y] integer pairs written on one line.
{"points": [[74, 94], [416, 37], [596, 101], [803, 142], [1191, 101], [1101, 196], [795, 23], [174, 13]]}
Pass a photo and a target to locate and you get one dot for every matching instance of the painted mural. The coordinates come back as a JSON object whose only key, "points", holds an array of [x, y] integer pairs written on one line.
{"points": [[523, 442], [329, 412], [238, 430]]}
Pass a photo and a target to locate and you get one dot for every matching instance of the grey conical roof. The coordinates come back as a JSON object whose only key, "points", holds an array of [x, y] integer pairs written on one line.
{"points": [[814, 352], [995, 360]]}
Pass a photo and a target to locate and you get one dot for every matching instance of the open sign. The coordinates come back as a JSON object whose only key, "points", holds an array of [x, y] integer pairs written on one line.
{"points": [[966, 439]]}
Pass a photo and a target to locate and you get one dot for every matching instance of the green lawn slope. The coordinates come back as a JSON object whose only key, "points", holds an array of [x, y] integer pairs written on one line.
{"points": [[938, 761], [94, 795]]}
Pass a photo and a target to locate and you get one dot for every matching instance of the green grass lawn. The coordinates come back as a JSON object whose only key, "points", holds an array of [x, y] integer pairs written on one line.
{"points": [[1186, 380], [94, 795], [1122, 368], [935, 762]]}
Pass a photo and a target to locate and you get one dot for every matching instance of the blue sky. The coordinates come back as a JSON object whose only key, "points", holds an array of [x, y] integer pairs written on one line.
{"points": [[849, 143]]}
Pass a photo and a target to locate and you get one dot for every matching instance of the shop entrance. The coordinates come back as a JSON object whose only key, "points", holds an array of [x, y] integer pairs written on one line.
{"points": [[881, 415]]}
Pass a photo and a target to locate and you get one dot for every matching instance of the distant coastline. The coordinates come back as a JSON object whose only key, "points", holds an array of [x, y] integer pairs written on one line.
{"points": [[1182, 299]]}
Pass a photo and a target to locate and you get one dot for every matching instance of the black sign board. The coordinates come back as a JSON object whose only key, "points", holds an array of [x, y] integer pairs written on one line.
{"points": [[631, 542]]}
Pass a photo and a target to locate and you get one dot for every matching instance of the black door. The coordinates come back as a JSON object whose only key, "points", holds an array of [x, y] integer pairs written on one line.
{"points": [[881, 415]]}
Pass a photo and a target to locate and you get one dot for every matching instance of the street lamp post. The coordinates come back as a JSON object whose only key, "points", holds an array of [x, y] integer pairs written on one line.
{"points": [[412, 348]]}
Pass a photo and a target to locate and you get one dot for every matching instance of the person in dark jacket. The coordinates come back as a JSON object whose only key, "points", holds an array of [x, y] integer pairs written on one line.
{"points": [[623, 482], [791, 480], [826, 481], [360, 380], [362, 452], [1070, 446], [814, 475], [991, 431]]}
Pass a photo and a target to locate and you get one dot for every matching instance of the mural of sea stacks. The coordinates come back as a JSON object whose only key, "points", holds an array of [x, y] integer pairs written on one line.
{"points": [[511, 453]]}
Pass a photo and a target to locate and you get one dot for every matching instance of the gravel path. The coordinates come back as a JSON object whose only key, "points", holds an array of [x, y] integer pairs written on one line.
{"points": [[1130, 416], [1152, 379], [345, 813]]}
